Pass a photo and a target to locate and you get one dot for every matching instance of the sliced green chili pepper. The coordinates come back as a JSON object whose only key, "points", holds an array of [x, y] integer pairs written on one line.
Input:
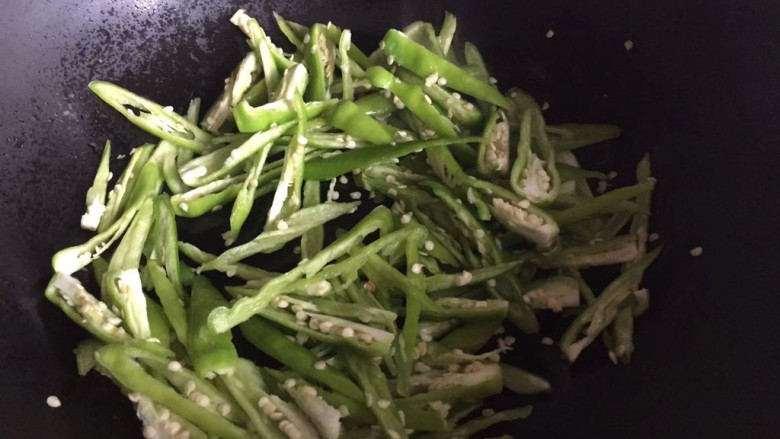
{"points": [[460, 110], [243, 271], [413, 97], [568, 136], [96, 194], [272, 341], [223, 318], [251, 119], [115, 359], [600, 204], [333, 166], [348, 117], [246, 195], [345, 42], [120, 193], [211, 352], [602, 312], [377, 395], [224, 161], [84, 309], [376, 104], [423, 62], [272, 240], [320, 55], [170, 300], [123, 281], [152, 117], [312, 240]]}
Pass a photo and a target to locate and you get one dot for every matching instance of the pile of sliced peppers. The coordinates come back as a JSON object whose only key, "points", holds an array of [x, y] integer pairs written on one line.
{"points": [[392, 328]]}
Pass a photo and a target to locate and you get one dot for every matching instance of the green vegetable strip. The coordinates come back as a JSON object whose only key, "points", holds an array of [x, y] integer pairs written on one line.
{"points": [[246, 196], [602, 312], [222, 319], [374, 384], [423, 62], [211, 352], [170, 300], [523, 382], [600, 204], [376, 104], [287, 29], [568, 136], [251, 119], [312, 240], [152, 117], [348, 117], [243, 271], [84, 309], [413, 97], [159, 328], [120, 193], [270, 340], [222, 162], [165, 238], [122, 280], [115, 360], [333, 166], [287, 199], [320, 56], [96, 194], [75, 258], [478, 424], [272, 240], [245, 385], [447, 33], [345, 43]]}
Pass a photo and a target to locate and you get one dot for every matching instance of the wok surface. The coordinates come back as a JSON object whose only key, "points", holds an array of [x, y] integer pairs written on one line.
{"points": [[698, 91]]}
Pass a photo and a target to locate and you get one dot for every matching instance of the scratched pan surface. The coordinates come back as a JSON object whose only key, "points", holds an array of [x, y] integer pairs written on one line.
{"points": [[698, 91]]}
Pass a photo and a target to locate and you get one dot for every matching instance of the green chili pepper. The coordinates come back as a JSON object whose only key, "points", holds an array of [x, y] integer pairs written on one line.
{"points": [[246, 195], [120, 193], [320, 55], [224, 161], [293, 31], [345, 43], [122, 281], [565, 137], [243, 271], [115, 359], [159, 328], [376, 104], [312, 240], [223, 318], [423, 62], [211, 352], [603, 310], [170, 300], [271, 240], [413, 97], [271, 341], [295, 79], [84, 309], [251, 119], [377, 395], [333, 166], [96, 194], [461, 110], [152, 117], [348, 117], [600, 204]]}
